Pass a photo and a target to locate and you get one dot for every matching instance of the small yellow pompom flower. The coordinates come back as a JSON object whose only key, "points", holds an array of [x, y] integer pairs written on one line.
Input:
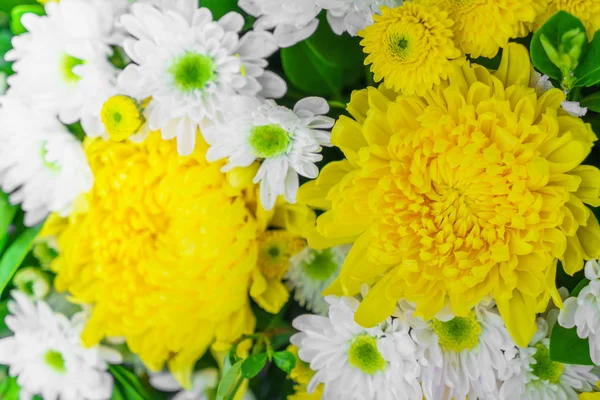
{"points": [[588, 12], [121, 116], [473, 190], [165, 249], [410, 47], [482, 27]]}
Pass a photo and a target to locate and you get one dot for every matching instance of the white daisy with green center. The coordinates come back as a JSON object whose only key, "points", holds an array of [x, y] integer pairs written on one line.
{"points": [[356, 363], [61, 64], [537, 377], [42, 166], [46, 357], [311, 272], [190, 66], [461, 356], [286, 142]]}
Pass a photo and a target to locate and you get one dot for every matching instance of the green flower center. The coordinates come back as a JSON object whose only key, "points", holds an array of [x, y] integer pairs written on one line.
{"points": [[52, 166], [55, 361], [320, 265], [460, 333], [193, 71], [364, 355], [269, 140], [544, 368], [68, 63]]}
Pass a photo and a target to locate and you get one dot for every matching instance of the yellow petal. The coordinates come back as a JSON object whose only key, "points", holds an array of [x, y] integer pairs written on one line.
{"points": [[515, 67], [376, 306], [519, 316]]}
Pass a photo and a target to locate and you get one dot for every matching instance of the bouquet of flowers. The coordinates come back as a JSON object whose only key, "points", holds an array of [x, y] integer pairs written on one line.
{"points": [[299, 199]]}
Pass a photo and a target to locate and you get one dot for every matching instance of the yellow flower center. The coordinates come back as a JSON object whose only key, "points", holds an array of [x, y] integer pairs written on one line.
{"points": [[51, 165], [121, 116], [460, 333], [193, 71], [364, 355], [55, 361], [67, 64], [275, 250], [269, 141], [544, 368]]}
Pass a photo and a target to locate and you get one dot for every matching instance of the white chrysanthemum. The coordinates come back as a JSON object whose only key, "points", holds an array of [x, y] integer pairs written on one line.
{"points": [[287, 141], [353, 15], [47, 358], [541, 84], [202, 383], [583, 311], [61, 63], [311, 272], [291, 21], [356, 363], [461, 356], [190, 66], [42, 165], [537, 377]]}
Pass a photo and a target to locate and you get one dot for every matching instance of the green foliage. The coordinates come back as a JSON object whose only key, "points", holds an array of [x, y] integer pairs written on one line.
{"points": [[592, 102], [285, 360], [325, 63], [588, 72], [15, 254], [253, 365], [5, 45], [4, 331], [231, 381], [7, 5], [17, 13], [128, 386], [222, 7]]}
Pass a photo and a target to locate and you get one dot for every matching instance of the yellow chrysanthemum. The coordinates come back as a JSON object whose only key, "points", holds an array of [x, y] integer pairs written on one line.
{"points": [[410, 47], [165, 250], [589, 396], [482, 27], [302, 394], [588, 12], [121, 117], [302, 374], [474, 189]]}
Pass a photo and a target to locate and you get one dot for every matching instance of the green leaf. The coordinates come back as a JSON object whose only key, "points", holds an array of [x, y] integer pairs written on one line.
{"points": [[285, 360], [325, 63], [592, 102], [230, 381], [588, 72], [222, 7], [553, 30], [7, 5], [4, 331], [568, 348], [15, 254], [253, 365], [583, 283], [129, 386], [5, 45], [17, 13], [7, 214]]}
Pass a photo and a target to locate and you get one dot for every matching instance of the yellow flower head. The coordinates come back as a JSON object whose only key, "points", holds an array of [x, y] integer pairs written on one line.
{"points": [[474, 189], [410, 47], [589, 396], [165, 251], [121, 116], [481, 27], [588, 12], [302, 374]]}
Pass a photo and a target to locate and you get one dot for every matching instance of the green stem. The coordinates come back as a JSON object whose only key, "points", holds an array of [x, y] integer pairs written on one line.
{"points": [[336, 104]]}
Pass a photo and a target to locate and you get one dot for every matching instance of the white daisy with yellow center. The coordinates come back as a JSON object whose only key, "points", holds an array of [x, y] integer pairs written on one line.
{"points": [[537, 377], [461, 356], [190, 66], [355, 363]]}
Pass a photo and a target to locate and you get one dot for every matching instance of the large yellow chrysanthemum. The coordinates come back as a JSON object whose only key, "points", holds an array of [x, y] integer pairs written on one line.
{"points": [[473, 189], [482, 27], [165, 249], [410, 47], [588, 11]]}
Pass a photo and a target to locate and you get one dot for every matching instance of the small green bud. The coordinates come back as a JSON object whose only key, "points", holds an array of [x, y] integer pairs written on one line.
{"points": [[32, 282], [571, 46], [44, 253], [551, 52]]}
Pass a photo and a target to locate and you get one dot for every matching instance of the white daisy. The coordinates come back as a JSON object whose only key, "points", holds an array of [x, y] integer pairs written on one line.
{"points": [[42, 165], [541, 84], [537, 377], [583, 311], [461, 356], [202, 383], [190, 66], [311, 272], [291, 21], [61, 63], [356, 363], [47, 358], [353, 15], [287, 141]]}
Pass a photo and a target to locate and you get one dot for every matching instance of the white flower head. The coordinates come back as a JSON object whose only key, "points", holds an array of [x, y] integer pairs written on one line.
{"points": [[461, 356], [287, 141], [42, 165], [190, 66], [47, 358], [356, 363], [353, 16], [311, 272], [537, 377], [541, 84], [291, 21], [61, 63], [583, 311], [202, 382]]}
